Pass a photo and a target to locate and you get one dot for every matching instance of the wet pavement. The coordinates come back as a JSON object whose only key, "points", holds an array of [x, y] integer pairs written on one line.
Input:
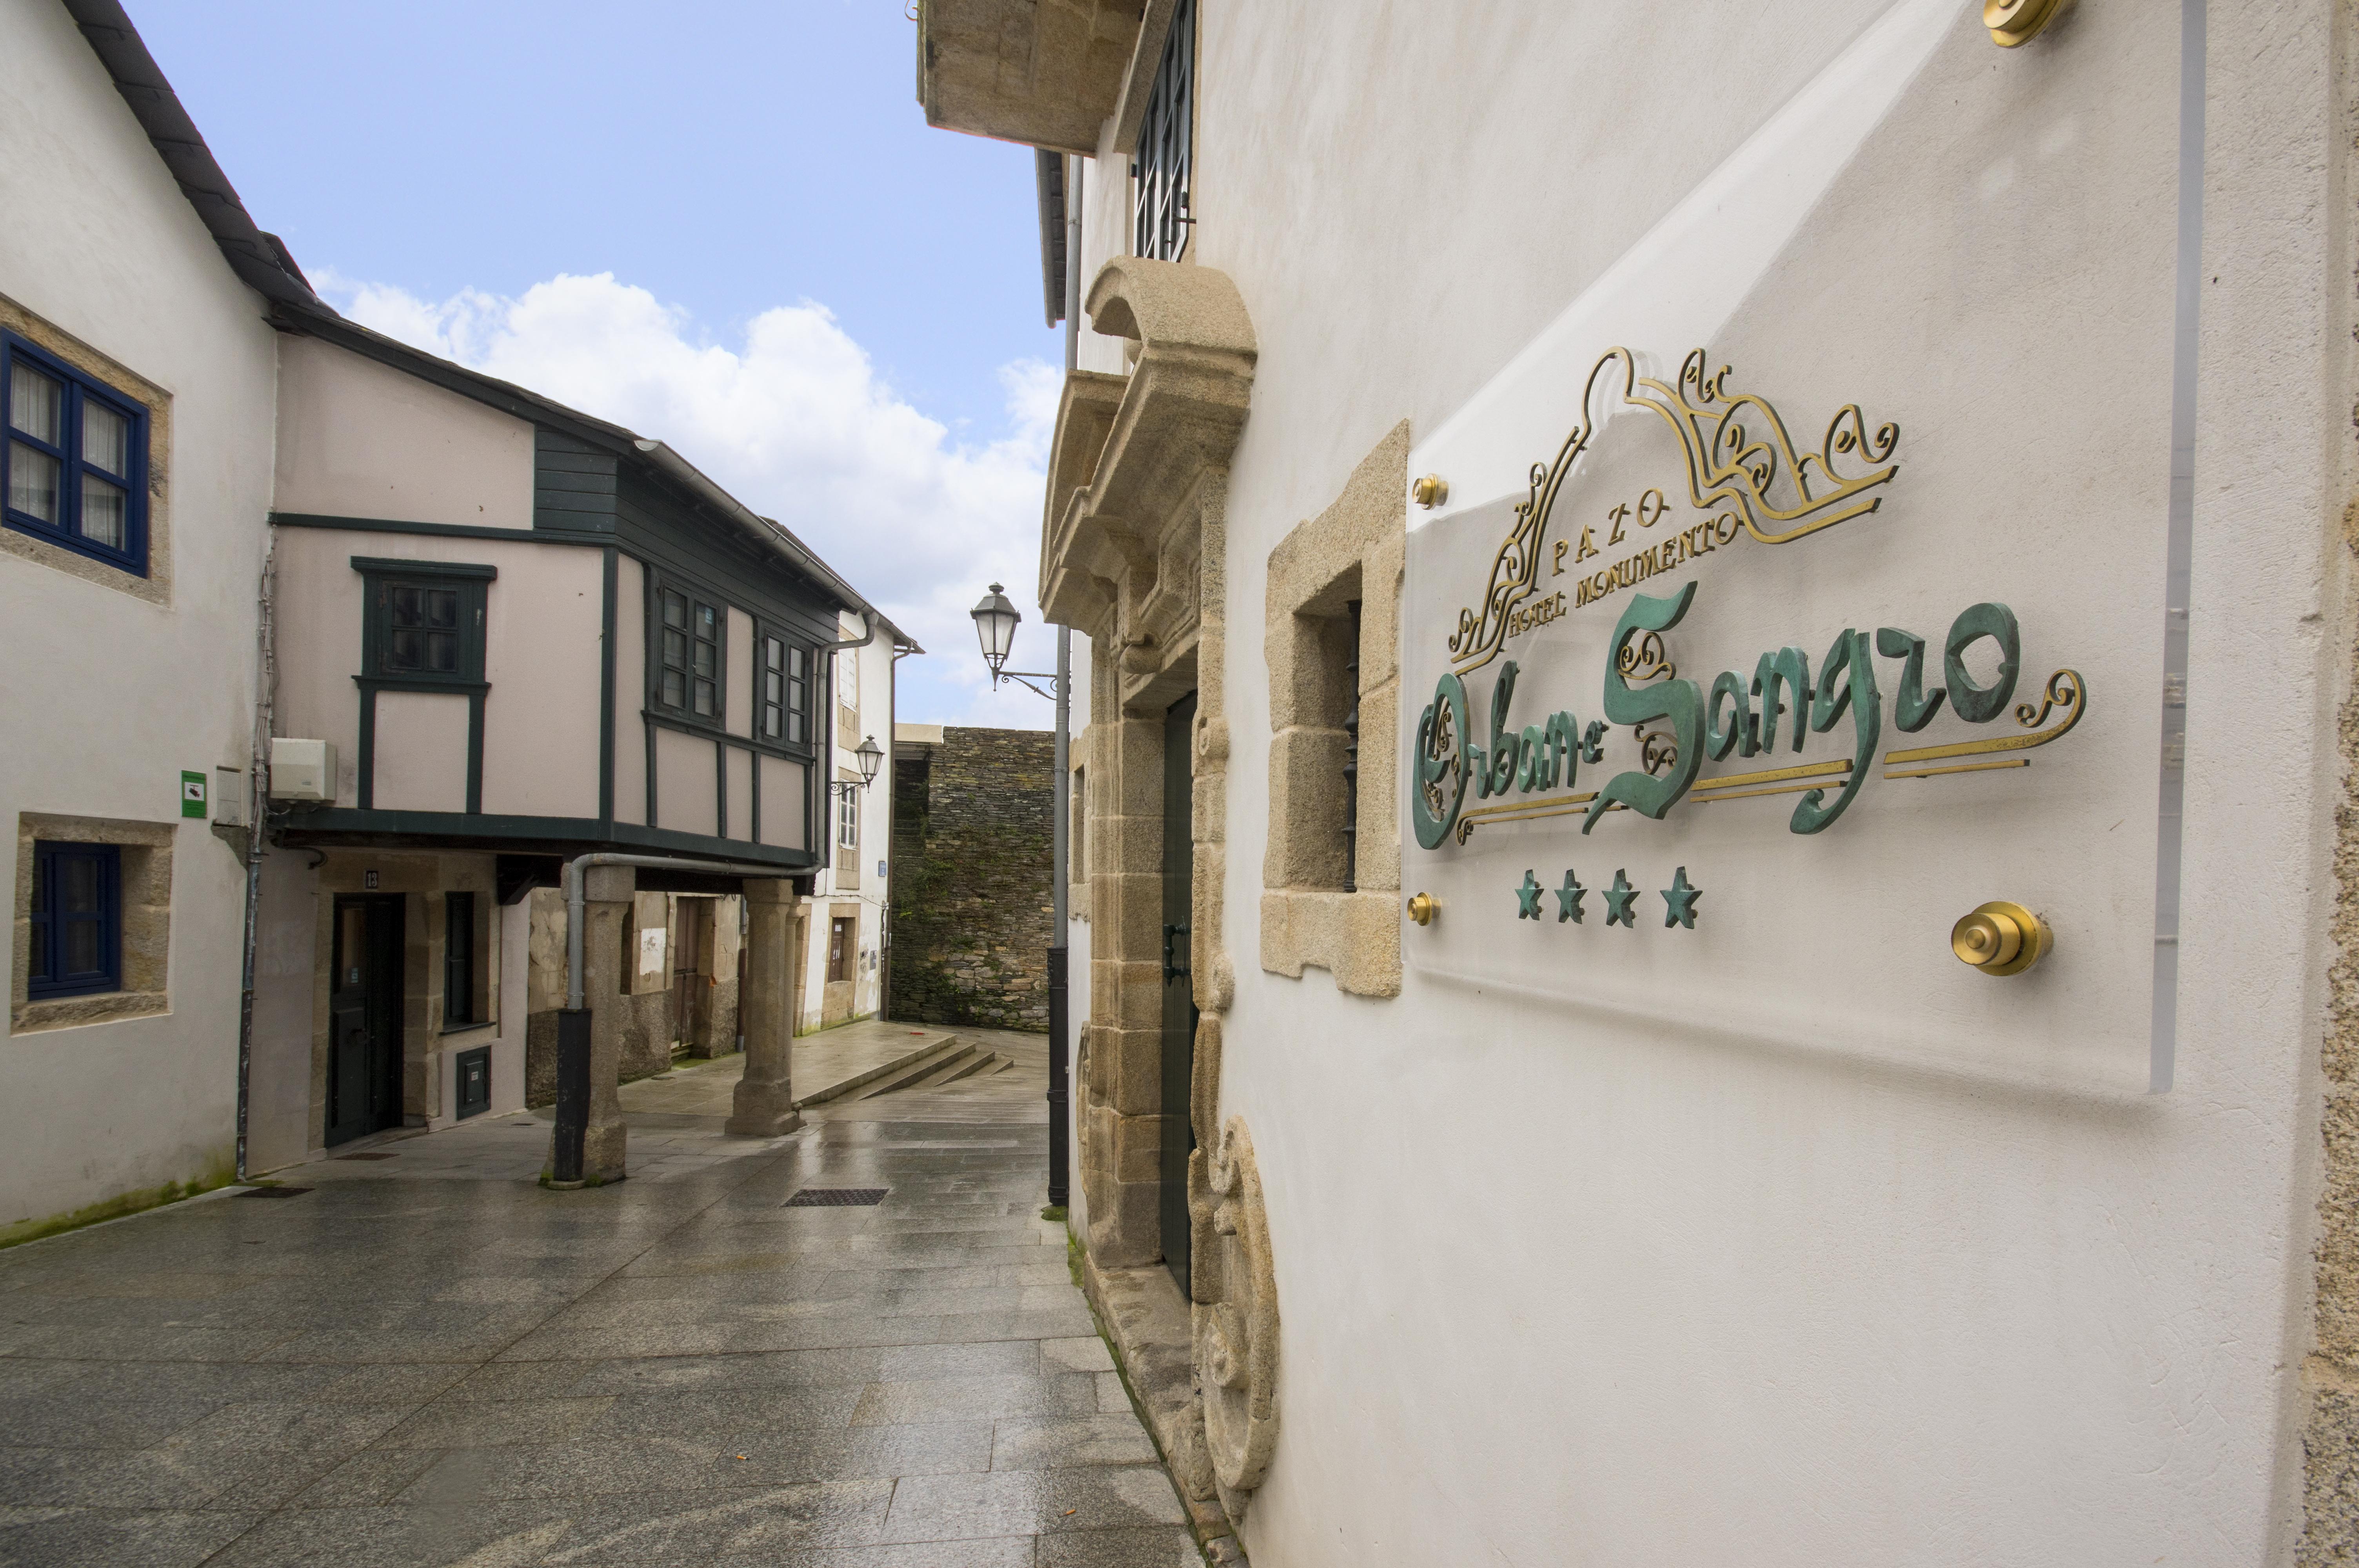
{"points": [[429, 1359]]}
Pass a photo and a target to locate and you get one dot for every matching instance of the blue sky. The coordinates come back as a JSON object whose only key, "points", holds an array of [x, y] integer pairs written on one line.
{"points": [[727, 225]]}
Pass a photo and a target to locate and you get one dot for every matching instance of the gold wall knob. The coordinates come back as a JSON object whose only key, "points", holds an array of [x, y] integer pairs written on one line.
{"points": [[1422, 909], [2001, 939], [2012, 23], [1431, 491]]}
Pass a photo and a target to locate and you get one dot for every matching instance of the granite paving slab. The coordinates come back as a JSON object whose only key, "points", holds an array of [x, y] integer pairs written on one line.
{"points": [[431, 1359]]}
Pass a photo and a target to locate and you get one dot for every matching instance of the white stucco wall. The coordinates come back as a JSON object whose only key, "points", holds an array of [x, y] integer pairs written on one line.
{"points": [[357, 438], [110, 697], [541, 657], [850, 875], [1557, 1290]]}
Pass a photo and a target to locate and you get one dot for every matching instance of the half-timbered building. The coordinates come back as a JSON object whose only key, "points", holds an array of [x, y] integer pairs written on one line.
{"points": [[505, 634]]}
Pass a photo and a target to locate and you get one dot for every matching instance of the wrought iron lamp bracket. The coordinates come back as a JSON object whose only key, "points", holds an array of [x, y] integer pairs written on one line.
{"points": [[1024, 679]]}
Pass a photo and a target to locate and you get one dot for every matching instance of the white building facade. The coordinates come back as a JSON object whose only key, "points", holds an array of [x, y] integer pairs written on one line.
{"points": [[137, 390], [1692, 952]]}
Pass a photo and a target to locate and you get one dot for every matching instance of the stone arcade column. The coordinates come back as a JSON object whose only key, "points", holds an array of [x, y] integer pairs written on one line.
{"points": [[764, 1103], [606, 891]]}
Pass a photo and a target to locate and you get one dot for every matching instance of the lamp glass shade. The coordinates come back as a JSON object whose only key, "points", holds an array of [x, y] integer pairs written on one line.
{"points": [[995, 627], [870, 757]]}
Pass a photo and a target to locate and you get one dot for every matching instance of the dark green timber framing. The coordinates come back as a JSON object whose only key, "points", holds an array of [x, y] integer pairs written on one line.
{"points": [[598, 485], [606, 692], [522, 834], [473, 583]]}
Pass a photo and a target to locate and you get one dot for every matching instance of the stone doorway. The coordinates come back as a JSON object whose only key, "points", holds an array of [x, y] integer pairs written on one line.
{"points": [[365, 1018]]}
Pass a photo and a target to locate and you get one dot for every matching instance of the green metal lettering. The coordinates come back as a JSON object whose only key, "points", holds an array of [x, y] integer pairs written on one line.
{"points": [[1718, 742], [1679, 701], [1981, 704], [1448, 700], [1503, 740], [1790, 669], [1848, 656], [1532, 770], [1562, 735], [1912, 705]]}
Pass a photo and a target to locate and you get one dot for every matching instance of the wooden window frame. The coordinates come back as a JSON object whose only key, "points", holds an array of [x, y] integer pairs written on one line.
{"points": [[659, 663], [843, 940], [81, 389], [796, 731], [45, 915], [460, 963], [472, 580]]}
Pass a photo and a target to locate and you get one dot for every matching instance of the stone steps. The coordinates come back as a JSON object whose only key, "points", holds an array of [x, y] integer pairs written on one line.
{"points": [[923, 1068], [901, 1070]]}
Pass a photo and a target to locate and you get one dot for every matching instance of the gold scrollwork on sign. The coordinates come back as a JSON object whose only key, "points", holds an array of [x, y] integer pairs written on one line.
{"points": [[1738, 455], [2065, 691]]}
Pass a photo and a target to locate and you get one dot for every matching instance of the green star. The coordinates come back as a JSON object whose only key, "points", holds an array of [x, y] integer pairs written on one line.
{"points": [[1528, 898], [1679, 901], [1618, 900], [1567, 899]]}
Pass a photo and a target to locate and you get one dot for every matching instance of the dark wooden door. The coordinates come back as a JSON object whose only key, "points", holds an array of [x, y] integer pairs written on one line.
{"points": [[1179, 984], [693, 917], [365, 1017]]}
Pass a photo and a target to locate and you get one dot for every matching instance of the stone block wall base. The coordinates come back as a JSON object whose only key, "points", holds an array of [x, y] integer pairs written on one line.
{"points": [[1145, 1322]]}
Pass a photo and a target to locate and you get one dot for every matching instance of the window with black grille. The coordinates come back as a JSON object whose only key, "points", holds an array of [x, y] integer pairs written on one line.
{"points": [[422, 622], [786, 691], [689, 633], [1162, 169]]}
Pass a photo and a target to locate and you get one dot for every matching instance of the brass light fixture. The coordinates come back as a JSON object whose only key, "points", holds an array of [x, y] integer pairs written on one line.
{"points": [[2001, 939], [2014, 23]]}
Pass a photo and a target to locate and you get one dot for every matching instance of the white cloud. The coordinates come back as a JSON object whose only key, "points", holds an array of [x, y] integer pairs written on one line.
{"points": [[793, 421]]}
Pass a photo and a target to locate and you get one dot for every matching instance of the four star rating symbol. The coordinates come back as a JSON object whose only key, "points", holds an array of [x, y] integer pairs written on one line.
{"points": [[1527, 899], [1620, 900], [1680, 901], [1567, 899]]}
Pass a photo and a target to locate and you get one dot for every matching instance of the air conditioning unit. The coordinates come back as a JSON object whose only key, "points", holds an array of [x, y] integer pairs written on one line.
{"points": [[302, 770]]}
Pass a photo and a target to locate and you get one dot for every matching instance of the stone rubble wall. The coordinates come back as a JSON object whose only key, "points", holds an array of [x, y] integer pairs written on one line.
{"points": [[971, 859]]}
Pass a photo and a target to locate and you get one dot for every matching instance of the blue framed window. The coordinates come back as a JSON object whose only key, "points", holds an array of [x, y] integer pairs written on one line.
{"points": [[77, 920], [73, 466]]}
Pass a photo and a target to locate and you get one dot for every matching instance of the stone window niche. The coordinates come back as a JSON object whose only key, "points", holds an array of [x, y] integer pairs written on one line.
{"points": [[1330, 873], [143, 915], [152, 578]]}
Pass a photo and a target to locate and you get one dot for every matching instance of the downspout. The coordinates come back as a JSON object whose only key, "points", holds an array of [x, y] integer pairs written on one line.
{"points": [[892, 763], [257, 790], [1061, 793]]}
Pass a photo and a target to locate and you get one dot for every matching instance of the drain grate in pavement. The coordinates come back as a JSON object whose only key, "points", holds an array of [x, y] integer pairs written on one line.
{"points": [[368, 1156], [274, 1192], [837, 1197]]}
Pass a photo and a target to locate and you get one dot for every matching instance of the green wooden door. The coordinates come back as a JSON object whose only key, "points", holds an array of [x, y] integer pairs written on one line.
{"points": [[1179, 984], [365, 1018]]}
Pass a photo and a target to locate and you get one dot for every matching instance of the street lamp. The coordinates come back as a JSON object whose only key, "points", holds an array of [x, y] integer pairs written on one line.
{"points": [[995, 628], [870, 757], [995, 625]]}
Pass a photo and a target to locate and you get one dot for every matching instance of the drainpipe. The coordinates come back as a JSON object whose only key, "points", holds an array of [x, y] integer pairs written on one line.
{"points": [[892, 763], [258, 808], [1060, 830], [573, 1019]]}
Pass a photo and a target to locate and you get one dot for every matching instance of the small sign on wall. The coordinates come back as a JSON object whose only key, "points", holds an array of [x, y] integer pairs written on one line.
{"points": [[192, 793], [651, 950]]}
